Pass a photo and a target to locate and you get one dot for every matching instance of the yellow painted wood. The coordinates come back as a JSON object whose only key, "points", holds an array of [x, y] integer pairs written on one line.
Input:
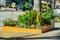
{"points": [[9, 28]]}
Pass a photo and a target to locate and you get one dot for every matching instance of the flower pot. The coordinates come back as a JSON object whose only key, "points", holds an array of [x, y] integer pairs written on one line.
{"points": [[33, 30]]}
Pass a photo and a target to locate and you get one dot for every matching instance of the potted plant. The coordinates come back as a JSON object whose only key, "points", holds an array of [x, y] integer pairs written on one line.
{"points": [[27, 22], [10, 25], [30, 21]]}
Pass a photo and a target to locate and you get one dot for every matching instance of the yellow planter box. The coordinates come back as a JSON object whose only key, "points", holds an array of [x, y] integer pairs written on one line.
{"points": [[10, 28], [21, 29]]}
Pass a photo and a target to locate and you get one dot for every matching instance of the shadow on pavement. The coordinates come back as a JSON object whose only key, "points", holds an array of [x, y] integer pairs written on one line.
{"points": [[55, 29], [50, 37]]}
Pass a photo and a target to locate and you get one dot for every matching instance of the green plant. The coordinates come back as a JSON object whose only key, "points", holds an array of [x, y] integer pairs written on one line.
{"points": [[23, 19], [30, 0], [27, 5], [57, 19], [45, 6], [9, 22], [46, 17], [29, 18]]}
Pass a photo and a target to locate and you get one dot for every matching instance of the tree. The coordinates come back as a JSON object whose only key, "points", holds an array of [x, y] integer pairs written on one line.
{"points": [[36, 5]]}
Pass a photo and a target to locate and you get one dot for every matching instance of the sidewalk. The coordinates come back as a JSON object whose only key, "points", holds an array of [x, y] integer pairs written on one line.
{"points": [[53, 33], [8, 9], [12, 34], [2, 8]]}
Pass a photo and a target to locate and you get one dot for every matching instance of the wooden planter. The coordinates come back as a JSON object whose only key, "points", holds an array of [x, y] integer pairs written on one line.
{"points": [[46, 28], [10, 28]]}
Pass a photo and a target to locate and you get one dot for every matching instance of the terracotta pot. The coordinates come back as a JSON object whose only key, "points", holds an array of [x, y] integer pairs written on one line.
{"points": [[33, 26]]}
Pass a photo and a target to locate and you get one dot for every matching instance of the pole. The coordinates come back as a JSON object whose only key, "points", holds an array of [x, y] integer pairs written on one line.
{"points": [[53, 20]]}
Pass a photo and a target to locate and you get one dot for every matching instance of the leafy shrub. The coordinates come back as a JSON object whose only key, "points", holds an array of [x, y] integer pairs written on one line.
{"points": [[27, 5], [46, 17], [44, 5], [29, 18], [57, 19], [9, 22]]}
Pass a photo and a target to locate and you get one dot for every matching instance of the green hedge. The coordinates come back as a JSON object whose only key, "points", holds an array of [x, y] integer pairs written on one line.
{"points": [[57, 19]]}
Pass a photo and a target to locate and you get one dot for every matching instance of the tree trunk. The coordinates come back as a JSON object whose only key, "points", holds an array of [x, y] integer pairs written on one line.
{"points": [[36, 5], [47, 2]]}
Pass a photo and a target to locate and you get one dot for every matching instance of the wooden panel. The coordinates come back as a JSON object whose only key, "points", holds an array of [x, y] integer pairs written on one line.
{"points": [[21, 29], [46, 28]]}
